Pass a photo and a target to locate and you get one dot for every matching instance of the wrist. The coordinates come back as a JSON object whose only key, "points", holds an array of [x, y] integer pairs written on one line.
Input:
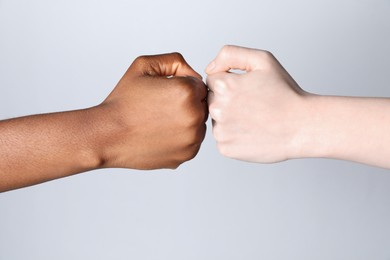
{"points": [[98, 129], [311, 138], [325, 127], [109, 135]]}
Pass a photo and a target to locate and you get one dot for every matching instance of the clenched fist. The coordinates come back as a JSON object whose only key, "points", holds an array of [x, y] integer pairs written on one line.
{"points": [[263, 115], [158, 111], [154, 118], [255, 114]]}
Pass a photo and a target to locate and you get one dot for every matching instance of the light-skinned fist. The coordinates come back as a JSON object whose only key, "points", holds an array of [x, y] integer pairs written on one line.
{"points": [[255, 114]]}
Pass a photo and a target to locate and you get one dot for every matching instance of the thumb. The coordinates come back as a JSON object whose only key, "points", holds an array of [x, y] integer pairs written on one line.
{"points": [[235, 57]]}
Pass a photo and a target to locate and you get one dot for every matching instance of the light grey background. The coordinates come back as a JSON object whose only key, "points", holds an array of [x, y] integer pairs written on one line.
{"points": [[69, 54]]}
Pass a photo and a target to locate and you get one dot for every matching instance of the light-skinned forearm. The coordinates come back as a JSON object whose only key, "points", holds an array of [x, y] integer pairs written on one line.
{"points": [[264, 116], [348, 128]]}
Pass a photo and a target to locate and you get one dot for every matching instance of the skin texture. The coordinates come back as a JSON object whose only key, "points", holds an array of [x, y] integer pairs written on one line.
{"points": [[264, 116], [154, 118]]}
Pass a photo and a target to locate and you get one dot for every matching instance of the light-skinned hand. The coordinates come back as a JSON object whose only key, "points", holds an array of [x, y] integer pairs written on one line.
{"points": [[264, 116]]}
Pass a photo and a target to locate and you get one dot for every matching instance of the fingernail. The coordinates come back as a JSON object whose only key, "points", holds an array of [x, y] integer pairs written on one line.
{"points": [[210, 67]]}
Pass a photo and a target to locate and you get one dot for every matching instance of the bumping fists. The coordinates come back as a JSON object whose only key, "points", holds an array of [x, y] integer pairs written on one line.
{"points": [[158, 111], [160, 106], [156, 118]]}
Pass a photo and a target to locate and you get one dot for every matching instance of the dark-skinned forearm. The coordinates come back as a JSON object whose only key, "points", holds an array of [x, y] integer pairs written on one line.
{"points": [[39, 148]]}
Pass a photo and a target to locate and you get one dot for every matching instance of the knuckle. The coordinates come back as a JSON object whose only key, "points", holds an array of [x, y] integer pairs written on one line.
{"points": [[177, 56], [190, 145], [192, 135], [223, 83], [220, 86], [223, 149], [201, 116], [194, 118], [176, 160], [267, 54], [190, 152], [175, 164], [198, 134], [218, 134], [267, 57], [216, 113], [146, 64], [226, 50], [141, 60], [189, 89]]}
